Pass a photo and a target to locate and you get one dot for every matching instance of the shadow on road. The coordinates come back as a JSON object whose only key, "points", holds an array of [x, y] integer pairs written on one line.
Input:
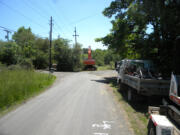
{"points": [[108, 80], [140, 105]]}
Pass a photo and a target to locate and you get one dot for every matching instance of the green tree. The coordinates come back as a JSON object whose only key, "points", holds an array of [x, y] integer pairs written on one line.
{"points": [[25, 39], [41, 57], [129, 30], [98, 55], [77, 57], [63, 55], [8, 52]]}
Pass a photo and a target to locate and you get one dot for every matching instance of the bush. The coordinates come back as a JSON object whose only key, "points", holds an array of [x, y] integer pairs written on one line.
{"points": [[112, 64], [41, 61], [77, 58], [8, 52], [14, 67], [63, 55], [2, 66], [26, 64]]}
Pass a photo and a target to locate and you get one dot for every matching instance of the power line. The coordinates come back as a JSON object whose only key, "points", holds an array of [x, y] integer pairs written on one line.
{"points": [[34, 9], [42, 9], [61, 27], [59, 17], [29, 4], [57, 25], [10, 30], [7, 29], [21, 14], [83, 19], [39, 11]]}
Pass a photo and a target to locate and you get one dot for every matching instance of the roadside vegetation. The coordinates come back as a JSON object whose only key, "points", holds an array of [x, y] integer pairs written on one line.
{"points": [[28, 50], [106, 67], [16, 86], [31, 51], [137, 113]]}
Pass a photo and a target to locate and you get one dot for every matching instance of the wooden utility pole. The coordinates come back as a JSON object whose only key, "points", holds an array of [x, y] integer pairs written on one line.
{"points": [[8, 31], [50, 40], [75, 36], [7, 36]]}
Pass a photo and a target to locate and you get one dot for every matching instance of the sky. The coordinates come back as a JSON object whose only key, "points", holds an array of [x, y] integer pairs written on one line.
{"points": [[85, 15]]}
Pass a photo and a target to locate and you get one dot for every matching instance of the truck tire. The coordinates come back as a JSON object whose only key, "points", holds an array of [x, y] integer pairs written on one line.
{"points": [[121, 86], [132, 95], [151, 128], [129, 95]]}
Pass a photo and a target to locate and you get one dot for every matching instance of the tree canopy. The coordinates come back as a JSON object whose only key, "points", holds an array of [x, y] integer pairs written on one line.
{"points": [[131, 36]]}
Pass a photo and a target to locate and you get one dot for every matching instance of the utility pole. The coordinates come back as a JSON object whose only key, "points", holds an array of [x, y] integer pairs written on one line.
{"points": [[8, 31], [7, 36], [50, 41], [75, 35]]}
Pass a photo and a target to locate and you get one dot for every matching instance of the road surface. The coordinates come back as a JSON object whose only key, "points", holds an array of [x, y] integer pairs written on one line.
{"points": [[77, 104]]}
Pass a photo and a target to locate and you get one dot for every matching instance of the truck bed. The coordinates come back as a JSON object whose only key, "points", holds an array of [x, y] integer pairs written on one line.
{"points": [[147, 87]]}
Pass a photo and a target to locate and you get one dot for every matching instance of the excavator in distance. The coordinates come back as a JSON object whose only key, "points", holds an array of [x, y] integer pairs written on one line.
{"points": [[89, 64]]}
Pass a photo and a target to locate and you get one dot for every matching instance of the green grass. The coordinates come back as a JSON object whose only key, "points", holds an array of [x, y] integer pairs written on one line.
{"points": [[138, 120], [106, 67], [16, 86]]}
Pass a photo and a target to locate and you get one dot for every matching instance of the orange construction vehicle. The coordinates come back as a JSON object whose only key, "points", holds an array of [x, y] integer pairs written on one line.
{"points": [[89, 63]]}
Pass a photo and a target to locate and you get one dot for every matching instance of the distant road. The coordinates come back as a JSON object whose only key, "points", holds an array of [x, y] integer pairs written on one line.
{"points": [[77, 104]]}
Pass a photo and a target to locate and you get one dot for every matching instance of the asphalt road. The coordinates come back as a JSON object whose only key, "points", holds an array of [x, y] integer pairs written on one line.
{"points": [[77, 104]]}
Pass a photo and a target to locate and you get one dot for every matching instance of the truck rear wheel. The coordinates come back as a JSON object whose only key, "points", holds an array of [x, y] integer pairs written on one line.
{"points": [[129, 95], [121, 86], [133, 96]]}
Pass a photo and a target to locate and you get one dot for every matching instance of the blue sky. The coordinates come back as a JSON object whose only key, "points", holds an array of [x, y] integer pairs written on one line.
{"points": [[85, 15]]}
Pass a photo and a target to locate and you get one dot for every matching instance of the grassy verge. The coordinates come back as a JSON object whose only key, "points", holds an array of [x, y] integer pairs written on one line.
{"points": [[16, 86], [106, 67], [136, 111], [138, 120]]}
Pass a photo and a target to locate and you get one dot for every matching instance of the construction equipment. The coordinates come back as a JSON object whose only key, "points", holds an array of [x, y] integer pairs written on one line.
{"points": [[89, 64], [165, 120]]}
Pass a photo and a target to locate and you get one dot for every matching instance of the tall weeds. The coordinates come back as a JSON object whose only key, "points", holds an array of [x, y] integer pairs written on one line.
{"points": [[18, 85]]}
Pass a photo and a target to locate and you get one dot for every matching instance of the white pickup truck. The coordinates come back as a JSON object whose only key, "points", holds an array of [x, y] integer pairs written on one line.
{"points": [[138, 77]]}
